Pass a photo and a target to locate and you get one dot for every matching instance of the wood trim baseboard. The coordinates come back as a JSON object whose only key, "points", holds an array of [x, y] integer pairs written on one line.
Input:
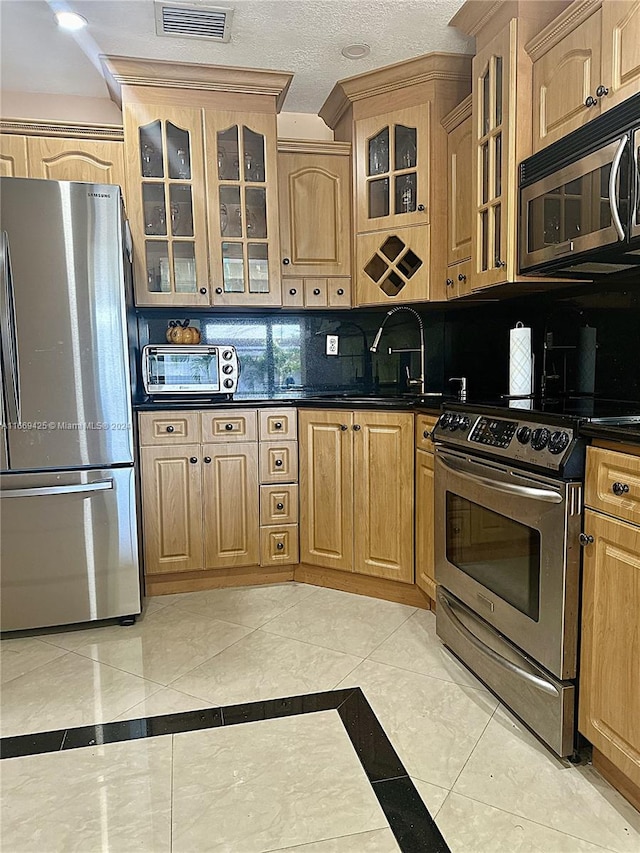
{"points": [[388, 590], [606, 768], [215, 579]]}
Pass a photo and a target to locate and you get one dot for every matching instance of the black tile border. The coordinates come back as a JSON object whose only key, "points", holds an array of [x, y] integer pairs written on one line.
{"points": [[413, 827]]}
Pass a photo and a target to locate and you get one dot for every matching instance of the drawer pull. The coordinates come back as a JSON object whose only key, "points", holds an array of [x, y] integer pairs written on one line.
{"points": [[585, 539], [278, 463], [228, 427], [170, 428], [620, 489], [316, 291], [426, 434], [280, 506], [293, 291], [278, 425], [280, 546], [340, 291], [193, 460], [207, 459]]}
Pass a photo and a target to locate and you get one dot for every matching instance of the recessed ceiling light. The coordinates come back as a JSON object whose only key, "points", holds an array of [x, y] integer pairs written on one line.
{"points": [[70, 21], [356, 51]]}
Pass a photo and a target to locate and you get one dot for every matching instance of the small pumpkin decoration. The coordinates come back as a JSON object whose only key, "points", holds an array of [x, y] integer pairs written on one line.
{"points": [[182, 333]]}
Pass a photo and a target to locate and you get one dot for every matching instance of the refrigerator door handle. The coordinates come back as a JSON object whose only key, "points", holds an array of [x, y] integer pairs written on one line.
{"points": [[8, 325], [38, 491]]}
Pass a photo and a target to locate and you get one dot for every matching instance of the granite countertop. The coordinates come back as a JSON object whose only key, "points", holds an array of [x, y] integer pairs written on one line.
{"points": [[623, 433]]}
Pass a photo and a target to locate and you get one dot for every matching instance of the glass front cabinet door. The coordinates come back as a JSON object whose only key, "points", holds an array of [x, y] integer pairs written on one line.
{"points": [[392, 162], [242, 198], [166, 205]]}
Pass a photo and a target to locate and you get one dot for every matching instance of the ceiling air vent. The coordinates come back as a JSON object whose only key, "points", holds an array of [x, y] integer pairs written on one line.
{"points": [[191, 20]]}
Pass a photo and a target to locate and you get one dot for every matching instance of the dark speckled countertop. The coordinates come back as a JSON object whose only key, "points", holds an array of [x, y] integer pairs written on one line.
{"points": [[623, 433]]}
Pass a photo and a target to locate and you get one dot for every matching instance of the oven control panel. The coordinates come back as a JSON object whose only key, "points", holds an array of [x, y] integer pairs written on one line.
{"points": [[492, 432]]}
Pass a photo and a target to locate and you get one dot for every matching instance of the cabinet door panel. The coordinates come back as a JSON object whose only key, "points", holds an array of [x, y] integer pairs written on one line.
{"points": [[278, 461], [393, 267], [613, 483], [58, 159], [383, 495], [609, 706], [171, 508], [13, 156], [279, 545], [620, 51], [326, 489], [460, 157], [231, 499], [425, 524]]}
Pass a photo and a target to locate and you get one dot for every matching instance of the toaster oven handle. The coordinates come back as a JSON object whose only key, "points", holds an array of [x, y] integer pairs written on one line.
{"points": [[613, 177], [458, 467], [530, 677]]}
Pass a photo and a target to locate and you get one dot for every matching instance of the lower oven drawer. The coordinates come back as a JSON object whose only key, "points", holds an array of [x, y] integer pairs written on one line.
{"points": [[544, 703]]}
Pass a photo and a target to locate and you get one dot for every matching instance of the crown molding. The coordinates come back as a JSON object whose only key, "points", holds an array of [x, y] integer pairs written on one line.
{"points": [[573, 16], [313, 146], [457, 115], [69, 130], [474, 14]]}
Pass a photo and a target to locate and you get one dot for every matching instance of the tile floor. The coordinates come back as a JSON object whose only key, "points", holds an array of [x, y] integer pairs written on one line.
{"points": [[291, 783]]}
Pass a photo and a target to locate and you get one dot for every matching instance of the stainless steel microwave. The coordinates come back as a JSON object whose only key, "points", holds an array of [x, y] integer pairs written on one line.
{"points": [[580, 200], [202, 370]]}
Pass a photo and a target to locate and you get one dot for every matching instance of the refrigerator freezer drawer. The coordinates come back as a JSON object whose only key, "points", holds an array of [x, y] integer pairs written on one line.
{"points": [[68, 546]]}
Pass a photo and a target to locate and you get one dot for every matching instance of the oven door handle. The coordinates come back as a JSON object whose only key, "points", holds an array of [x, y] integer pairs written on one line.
{"points": [[458, 467], [530, 677]]}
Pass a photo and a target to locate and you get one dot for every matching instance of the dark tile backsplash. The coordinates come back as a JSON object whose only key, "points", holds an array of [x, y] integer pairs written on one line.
{"points": [[283, 353]]}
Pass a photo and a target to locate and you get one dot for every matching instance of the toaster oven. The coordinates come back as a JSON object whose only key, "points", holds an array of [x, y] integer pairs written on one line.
{"points": [[202, 370]]}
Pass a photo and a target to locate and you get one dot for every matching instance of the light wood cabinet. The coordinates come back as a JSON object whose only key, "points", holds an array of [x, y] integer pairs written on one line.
{"points": [[13, 156], [400, 184], [356, 492], [609, 704], [202, 176], [613, 483], [459, 129], [314, 181], [425, 506], [585, 62]]}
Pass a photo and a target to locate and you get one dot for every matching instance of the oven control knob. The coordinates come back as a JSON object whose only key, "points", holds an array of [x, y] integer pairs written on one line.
{"points": [[445, 419], [228, 383], [227, 368], [463, 423], [540, 438], [454, 423], [558, 442], [227, 355], [523, 435]]}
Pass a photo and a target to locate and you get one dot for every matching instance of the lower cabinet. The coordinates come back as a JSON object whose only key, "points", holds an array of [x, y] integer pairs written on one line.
{"points": [[356, 492], [425, 506]]}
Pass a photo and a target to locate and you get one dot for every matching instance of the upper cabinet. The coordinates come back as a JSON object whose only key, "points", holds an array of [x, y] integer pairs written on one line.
{"points": [[399, 184], [201, 180], [459, 129], [60, 151], [501, 126], [314, 193], [584, 62]]}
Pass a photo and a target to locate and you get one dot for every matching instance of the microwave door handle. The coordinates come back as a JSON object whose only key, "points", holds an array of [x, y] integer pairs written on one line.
{"points": [[458, 467], [530, 677], [636, 149], [8, 326], [613, 178]]}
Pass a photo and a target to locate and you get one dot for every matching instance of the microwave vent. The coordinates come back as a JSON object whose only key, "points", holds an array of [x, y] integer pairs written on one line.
{"points": [[193, 20]]}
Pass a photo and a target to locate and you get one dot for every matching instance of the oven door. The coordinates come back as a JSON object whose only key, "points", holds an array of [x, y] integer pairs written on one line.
{"points": [[507, 546]]}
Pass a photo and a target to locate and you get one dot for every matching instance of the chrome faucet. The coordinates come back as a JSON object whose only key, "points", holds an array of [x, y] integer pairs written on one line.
{"points": [[374, 346]]}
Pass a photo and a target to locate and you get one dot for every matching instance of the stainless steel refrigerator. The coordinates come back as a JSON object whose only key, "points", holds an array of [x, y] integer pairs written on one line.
{"points": [[68, 525]]}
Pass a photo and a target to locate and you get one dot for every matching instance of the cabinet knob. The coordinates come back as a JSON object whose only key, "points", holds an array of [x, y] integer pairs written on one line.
{"points": [[280, 546], [278, 425], [356, 427], [426, 434], [280, 505], [500, 263], [586, 539], [286, 261], [316, 291], [228, 427], [343, 427], [462, 277], [421, 207], [218, 290], [620, 489], [449, 282], [340, 291], [278, 463], [590, 102], [601, 91], [170, 428], [293, 291], [203, 291], [193, 460], [207, 459]]}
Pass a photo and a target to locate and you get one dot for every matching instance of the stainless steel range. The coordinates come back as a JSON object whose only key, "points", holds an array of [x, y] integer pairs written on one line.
{"points": [[508, 522]]}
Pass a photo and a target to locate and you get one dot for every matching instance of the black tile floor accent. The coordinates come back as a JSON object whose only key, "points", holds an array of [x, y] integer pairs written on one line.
{"points": [[413, 827]]}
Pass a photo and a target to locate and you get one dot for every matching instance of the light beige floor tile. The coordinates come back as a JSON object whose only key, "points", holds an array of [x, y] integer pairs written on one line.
{"points": [[337, 620], [433, 724], [24, 654], [415, 646], [472, 827], [165, 701], [70, 691], [251, 605], [114, 798], [157, 602], [167, 644], [377, 841], [263, 666], [432, 795], [260, 786], [511, 770]]}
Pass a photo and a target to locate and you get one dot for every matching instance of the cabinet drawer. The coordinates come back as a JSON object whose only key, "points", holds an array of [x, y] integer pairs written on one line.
{"points": [[279, 462], [229, 425], [278, 424], [315, 292], [339, 292], [279, 504], [613, 483], [169, 428], [279, 545], [292, 293], [424, 428]]}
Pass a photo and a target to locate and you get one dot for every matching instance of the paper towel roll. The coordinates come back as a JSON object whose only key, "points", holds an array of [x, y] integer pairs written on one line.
{"points": [[586, 379], [520, 365]]}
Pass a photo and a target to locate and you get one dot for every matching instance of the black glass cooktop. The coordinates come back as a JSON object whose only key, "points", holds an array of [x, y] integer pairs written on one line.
{"points": [[586, 408]]}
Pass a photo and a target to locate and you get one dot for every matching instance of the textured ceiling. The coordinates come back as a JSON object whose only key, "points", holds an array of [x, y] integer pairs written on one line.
{"points": [[301, 36]]}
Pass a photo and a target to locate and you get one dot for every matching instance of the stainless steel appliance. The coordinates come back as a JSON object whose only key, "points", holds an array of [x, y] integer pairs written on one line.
{"points": [[201, 370], [580, 200], [68, 524]]}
